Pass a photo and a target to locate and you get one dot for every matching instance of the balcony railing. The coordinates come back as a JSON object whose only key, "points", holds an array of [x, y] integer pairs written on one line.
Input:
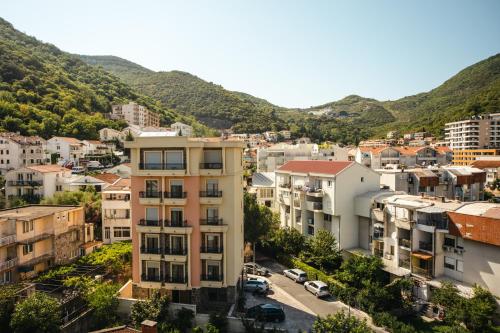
{"points": [[162, 166], [150, 194], [211, 221], [212, 277], [317, 205], [151, 278], [151, 250], [422, 271], [211, 249], [179, 251], [175, 223], [176, 279], [25, 183], [439, 224], [175, 195], [7, 240], [210, 166], [211, 194], [404, 263], [8, 264], [150, 223], [285, 185], [378, 252], [426, 246], [405, 242]]}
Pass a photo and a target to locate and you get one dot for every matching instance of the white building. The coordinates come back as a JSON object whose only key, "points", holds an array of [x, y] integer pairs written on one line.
{"points": [[35, 182], [313, 195], [271, 158], [380, 157], [109, 134], [116, 220], [479, 132], [69, 149], [93, 148], [263, 186], [135, 114], [17, 151], [182, 129]]}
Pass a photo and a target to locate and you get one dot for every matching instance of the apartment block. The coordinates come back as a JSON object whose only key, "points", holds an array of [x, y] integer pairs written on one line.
{"points": [[263, 186], [68, 149], [187, 217], [116, 217], [34, 238], [479, 132], [432, 239], [468, 156], [380, 157], [17, 151], [462, 183], [135, 114], [313, 195]]}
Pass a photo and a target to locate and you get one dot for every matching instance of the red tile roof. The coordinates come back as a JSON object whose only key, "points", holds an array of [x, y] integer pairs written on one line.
{"points": [[485, 164], [323, 167], [47, 168], [109, 178]]}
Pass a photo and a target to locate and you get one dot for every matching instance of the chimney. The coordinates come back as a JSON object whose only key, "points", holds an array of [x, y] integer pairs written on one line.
{"points": [[149, 326], [443, 199]]}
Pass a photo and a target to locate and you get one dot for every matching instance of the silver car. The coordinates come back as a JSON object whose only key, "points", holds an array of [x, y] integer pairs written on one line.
{"points": [[296, 274], [254, 268], [255, 286], [317, 288]]}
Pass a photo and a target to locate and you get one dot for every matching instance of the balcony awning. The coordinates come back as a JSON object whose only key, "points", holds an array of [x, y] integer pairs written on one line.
{"points": [[421, 255]]}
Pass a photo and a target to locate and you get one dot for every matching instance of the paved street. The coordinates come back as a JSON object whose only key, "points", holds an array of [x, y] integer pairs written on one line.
{"points": [[301, 307]]}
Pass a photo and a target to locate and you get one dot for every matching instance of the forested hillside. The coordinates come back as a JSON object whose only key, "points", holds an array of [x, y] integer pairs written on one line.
{"points": [[45, 91]]}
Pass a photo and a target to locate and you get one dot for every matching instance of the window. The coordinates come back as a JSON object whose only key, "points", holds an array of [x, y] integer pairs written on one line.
{"points": [[6, 277], [152, 214], [448, 241], [330, 183], [152, 160], [449, 263], [121, 232], [152, 188], [107, 233], [153, 270], [212, 185], [213, 269], [177, 243], [310, 230], [460, 266], [212, 241], [151, 241], [392, 250], [460, 243], [58, 188], [174, 159], [27, 226], [27, 249], [176, 187], [176, 216], [362, 179]]}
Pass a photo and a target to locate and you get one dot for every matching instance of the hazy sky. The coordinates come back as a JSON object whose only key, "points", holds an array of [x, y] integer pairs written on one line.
{"points": [[292, 53]]}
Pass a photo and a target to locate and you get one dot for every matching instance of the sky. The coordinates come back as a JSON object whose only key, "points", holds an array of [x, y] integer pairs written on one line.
{"points": [[292, 53]]}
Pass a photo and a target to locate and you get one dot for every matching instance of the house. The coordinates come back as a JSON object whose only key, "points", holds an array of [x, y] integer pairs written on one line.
{"points": [[116, 219], [379, 157], [263, 186], [94, 148], [187, 217], [313, 195], [182, 129], [36, 237], [491, 167], [68, 149], [109, 134], [135, 114], [17, 151], [271, 158]]}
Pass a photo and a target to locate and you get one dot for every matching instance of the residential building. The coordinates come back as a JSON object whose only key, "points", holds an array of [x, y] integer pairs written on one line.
{"points": [[116, 219], [451, 182], [468, 156], [286, 134], [109, 134], [380, 157], [187, 217], [33, 183], [271, 136], [95, 149], [392, 135], [182, 129], [313, 195], [122, 170], [271, 158], [68, 149], [478, 132], [37, 237], [432, 239], [135, 114], [17, 151], [263, 186], [491, 167]]}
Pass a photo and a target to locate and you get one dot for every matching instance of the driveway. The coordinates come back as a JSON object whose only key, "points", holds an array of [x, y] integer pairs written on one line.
{"points": [[301, 307]]}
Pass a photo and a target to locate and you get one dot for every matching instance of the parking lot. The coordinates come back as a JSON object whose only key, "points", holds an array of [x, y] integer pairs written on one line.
{"points": [[300, 306]]}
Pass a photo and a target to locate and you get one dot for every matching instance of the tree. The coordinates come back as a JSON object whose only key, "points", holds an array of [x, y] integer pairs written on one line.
{"points": [[154, 308], [340, 323], [480, 310], [358, 269], [289, 240], [7, 306], [104, 302], [454, 305], [219, 321], [184, 319], [39, 313], [322, 251]]}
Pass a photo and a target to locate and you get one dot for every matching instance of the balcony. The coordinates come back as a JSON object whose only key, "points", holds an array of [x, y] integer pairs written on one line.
{"points": [[422, 272], [211, 221], [176, 251], [403, 222], [285, 185], [314, 206], [438, 224], [314, 192], [404, 263], [8, 264], [213, 225], [211, 197], [149, 198], [211, 252], [8, 240], [175, 279], [403, 242], [151, 253], [31, 183], [212, 280], [378, 252], [145, 225], [211, 169], [174, 198], [162, 169], [151, 278], [425, 246]]}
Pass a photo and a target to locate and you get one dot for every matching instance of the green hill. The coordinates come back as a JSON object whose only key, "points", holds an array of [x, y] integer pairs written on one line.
{"points": [[45, 91]]}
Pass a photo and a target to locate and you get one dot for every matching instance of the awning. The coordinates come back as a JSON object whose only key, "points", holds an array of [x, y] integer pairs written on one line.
{"points": [[378, 225], [422, 255]]}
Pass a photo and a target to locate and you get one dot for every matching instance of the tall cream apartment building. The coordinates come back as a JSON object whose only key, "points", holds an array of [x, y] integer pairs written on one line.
{"points": [[187, 217], [479, 132], [135, 114], [116, 219], [17, 151], [34, 238]]}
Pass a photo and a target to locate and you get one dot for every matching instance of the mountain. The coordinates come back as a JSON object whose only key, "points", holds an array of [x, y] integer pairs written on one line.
{"points": [[45, 91], [475, 90]]}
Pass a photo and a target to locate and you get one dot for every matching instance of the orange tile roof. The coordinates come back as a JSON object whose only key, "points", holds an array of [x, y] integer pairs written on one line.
{"points": [[443, 150], [95, 142], [324, 167], [109, 178], [410, 150], [67, 139], [21, 139], [47, 168], [373, 150], [486, 164]]}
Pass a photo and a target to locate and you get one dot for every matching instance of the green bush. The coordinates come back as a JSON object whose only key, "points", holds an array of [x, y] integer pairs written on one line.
{"points": [[336, 287]]}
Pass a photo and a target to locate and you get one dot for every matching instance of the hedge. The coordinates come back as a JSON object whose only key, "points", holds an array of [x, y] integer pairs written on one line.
{"points": [[336, 287]]}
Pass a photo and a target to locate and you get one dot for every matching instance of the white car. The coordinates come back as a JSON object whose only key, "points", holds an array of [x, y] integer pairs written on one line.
{"points": [[295, 274], [250, 278], [317, 288]]}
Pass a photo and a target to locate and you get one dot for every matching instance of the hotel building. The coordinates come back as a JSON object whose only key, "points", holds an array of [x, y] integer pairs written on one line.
{"points": [[187, 217]]}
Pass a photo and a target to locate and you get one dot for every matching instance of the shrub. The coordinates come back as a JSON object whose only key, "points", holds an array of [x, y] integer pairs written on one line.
{"points": [[219, 320]]}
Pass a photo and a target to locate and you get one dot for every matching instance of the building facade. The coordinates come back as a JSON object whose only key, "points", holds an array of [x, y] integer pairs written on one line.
{"points": [[479, 132], [34, 238], [135, 114], [68, 149], [17, 151], [116, 217], [187, 217], [313, 195], [468, 156], [380, 157]]}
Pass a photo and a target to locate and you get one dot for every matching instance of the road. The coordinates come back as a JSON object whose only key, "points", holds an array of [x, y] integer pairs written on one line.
{"points": [[308, 303]]}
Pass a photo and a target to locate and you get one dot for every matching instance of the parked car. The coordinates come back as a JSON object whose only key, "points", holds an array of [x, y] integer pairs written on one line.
{"points": [[295, 274], [317, 288], [266, 312], [254, 268], [255, 286], [94, 165], [259, 279], [78, 170]]}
